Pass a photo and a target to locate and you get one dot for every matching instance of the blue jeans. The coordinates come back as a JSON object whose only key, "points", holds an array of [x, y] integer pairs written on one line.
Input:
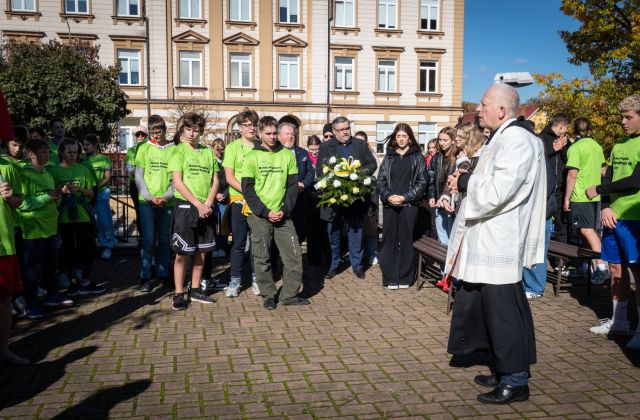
{"points": [[444, 224], [535, 278], [104, 218], [371, 247], [221, 240], [354, 233], [155, 222]]}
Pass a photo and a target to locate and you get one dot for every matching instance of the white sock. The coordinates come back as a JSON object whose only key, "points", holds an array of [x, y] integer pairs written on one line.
{"points": [[619, 312], [602, 267]]}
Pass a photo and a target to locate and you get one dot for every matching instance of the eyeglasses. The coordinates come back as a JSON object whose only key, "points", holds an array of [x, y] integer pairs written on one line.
{"points": [[328, 136], [248, 125], [342, 130], [141, 134]]}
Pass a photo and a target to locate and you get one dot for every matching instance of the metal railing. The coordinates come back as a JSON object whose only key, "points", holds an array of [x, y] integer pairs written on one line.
{"points": [[124, 222]]}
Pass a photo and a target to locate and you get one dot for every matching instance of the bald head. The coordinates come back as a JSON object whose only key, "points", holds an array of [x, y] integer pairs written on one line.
{"points": [[499, 103]]}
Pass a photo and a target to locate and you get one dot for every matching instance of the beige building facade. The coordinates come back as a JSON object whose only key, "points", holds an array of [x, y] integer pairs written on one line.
{"points": [[378, 62]]}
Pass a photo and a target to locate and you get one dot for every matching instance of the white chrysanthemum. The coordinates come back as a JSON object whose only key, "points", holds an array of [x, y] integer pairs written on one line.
{"points": [[332, 160], [367, 181], [337, 183], [356, 190], [344, 197], [353, 177], [323, 184]]}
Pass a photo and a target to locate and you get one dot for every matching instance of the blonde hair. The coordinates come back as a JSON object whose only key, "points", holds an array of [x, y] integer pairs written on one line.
{"points": [[630, 103], [472, 138]]}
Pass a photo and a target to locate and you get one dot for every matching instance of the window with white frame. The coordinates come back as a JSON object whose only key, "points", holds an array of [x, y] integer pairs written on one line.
{"points": [[23, 5], [344, 13], [387, 14], [126, 137], [129, 67], [289, 71], [383, 130], [426, 132], [429, 15], [128, 7], [240, 70], [190, 68], [288, 11], [76, 6], [343, 79], [240, 10], [189, 9], [428, 77], [386, 75]]}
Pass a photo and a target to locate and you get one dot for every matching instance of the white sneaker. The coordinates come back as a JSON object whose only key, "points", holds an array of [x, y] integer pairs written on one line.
{"points": [[393, 287], [106, 254], [40, 292], [634, 343], [233, 289], [606, 327], [255, 288], [531, 295], [600, 276], [403, 286], [374, 261], [219, 253]]}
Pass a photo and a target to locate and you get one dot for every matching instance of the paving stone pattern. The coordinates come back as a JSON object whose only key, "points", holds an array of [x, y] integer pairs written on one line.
{"points": [[358, 351]]}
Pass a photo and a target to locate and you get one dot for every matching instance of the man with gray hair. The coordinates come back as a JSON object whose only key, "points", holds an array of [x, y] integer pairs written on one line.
{"points": [[500, 228], [306, 175], [342, 145]]}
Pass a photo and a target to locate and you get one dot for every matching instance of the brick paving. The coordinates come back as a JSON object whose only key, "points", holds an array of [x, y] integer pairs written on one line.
{"points": [[359, 351]]}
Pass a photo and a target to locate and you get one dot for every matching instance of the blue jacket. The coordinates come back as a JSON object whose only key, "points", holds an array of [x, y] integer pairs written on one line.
{"points": [[305, 167]]}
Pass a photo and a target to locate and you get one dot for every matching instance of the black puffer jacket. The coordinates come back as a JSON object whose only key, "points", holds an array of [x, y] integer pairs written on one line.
{"points": [[439, 170], [418, 176], [556, 160]]}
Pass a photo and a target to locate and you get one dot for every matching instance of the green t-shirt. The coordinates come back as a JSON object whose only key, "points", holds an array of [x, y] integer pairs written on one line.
{"points": [[197, 168], [9, 174], [587, 157], [130, 158], [625, 155], [155, 160], [54, 159], [38, 214], [270, 171], [72, 206], [17, 166], [234, 155], [98, 164]]}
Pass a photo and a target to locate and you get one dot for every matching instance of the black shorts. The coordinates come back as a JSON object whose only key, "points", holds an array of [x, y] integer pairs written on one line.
{"points": [[585, 215], [190, 233]]}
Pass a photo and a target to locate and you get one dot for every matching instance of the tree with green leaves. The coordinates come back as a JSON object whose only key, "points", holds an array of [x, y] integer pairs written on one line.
{"points": [[608, 42], [48, 80]]}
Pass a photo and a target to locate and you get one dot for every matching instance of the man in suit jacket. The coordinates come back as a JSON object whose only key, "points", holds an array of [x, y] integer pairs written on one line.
{"points": [[306, 175], [343, 145]]}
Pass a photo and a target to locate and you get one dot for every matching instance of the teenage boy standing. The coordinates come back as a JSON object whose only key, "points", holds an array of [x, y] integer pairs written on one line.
{"points": [[270, 186], [193, 169]]}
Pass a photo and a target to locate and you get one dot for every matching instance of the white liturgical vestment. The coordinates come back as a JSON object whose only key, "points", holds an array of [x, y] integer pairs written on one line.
{"points": [[500, 224]]}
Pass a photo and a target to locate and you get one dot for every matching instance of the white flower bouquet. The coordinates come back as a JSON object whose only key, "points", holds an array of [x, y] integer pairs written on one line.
{"points": [[343, 183]]}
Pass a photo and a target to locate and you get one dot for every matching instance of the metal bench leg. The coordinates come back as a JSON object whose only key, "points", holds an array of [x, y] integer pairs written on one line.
{"points": [[419, 273], [559, 277], [450, 297], [589, 274]]}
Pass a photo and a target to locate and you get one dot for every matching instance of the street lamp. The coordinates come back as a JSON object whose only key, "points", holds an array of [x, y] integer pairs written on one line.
{"points": [[515, 79]]}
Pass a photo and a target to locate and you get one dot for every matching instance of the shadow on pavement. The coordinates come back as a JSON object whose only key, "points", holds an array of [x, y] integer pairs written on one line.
{"points": [[21, 383], [98, 405]]}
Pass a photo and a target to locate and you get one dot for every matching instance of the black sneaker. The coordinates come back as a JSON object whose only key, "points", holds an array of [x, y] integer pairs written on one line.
{"points": [[90, 289], [269, 303], [179, 302], [145, 285], [297, 300], [198, 296]]}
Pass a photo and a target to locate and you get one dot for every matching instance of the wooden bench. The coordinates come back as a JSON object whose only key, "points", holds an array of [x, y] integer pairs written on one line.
{"points": [[430, 249], [565, 252]]}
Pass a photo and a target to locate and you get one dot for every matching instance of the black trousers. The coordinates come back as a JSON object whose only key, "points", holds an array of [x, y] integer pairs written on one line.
{"points": [[495, 319], [133, 192], [396, 250], [40, 264], [78, 247]]}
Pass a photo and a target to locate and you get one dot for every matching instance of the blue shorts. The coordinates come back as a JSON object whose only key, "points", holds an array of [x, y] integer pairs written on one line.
{"points": [[620, 245]]}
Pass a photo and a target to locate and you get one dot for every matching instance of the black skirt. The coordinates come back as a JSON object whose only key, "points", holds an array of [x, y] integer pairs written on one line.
{"points": [[494, 319]]}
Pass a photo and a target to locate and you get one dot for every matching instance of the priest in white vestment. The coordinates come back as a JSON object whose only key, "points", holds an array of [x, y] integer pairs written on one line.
{"points": [[499, 230]]}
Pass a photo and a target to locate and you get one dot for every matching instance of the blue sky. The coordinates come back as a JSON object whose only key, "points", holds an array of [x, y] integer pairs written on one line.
{"points": [[506, 36]]}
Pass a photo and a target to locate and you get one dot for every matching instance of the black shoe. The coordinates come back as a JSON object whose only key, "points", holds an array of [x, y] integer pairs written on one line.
{"points": [[298, 300], [145, 285], [269, 303], [488, 381], [179, 302], [199, 296], [505, 394], [359, 274], [331, 274]]}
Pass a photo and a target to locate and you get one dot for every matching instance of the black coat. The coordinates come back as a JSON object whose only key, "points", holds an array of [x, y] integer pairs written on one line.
{"points": [[439, 170], [306, 173], [360, 151], [418, 176], [557, 161]]}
